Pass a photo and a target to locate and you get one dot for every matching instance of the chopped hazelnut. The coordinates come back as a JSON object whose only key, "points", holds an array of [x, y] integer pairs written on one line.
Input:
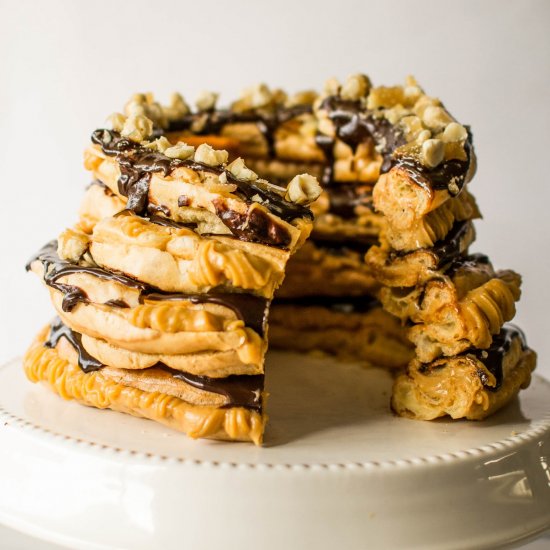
{"points": [[178, 108], [436, 117], [180, 151], [385, 97], [206, 101], [239, 170], [412, 125], [160, 144], [303, 189], [356, 87], [453, 188], [423, 136], [306, 97], [331, 87], [279, 96], [137, 128], [411, 90], [433, 152], [259, 96], [117, 121], [454, 132], [423, 103], [395, 114], [72, 245], [212, 157]]}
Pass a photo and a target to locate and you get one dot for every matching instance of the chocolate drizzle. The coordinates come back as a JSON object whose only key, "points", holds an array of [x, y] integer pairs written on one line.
{"points": [[354, 125], [138, 163], [240, 390], [493, 357], [446, 250], [59, 330], [55, 268], [253, 226], [449, 175], [470, 262], [247, 307], [453, 244]]}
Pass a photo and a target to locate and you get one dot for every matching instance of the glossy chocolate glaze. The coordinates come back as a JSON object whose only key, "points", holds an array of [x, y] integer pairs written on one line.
{"points": [[354, 125], [439, 178], [247, 307], [452, 246], [155, 209], [55, 268], [138, 163], [493, 357], [240, 390], [446, 250], [470, 262], [254, 226], [59, 330], [340, 304]]}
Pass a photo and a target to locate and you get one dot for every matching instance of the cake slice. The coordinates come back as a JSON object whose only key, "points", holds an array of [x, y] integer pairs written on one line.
{"points": [[163, 287]]}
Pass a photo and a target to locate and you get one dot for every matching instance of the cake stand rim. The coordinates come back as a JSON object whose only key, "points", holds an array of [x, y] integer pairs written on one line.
{"points": [[506, 444]]}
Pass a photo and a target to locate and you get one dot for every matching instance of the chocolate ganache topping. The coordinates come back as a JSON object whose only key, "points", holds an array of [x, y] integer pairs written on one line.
{"points": [[449, 175], [59, 330], [250, 309], [354, 125], [492, 357], [138, 163], [240, 390], [55, 268], [446, 250]]}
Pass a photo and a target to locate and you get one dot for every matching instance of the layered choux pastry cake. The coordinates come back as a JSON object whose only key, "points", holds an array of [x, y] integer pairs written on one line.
{"points": [[342, 220]]}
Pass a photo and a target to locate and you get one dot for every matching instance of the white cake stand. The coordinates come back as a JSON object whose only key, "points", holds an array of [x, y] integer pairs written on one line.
{"points": [[338, 471]]}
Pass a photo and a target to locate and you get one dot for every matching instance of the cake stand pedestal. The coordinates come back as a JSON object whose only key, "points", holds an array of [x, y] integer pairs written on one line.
{"points": [[338, 470]]}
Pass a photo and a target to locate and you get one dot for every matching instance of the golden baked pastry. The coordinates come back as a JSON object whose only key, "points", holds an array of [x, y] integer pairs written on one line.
{"points": [[195, 217], [472, 385]]}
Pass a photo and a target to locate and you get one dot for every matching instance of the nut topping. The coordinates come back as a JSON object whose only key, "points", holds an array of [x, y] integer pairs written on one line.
{"points": [[209, 156], [180, 151], [303, 189]]}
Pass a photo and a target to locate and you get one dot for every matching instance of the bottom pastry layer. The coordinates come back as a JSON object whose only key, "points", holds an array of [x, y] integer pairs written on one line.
{"points": [[44, 364], [472, 385]]}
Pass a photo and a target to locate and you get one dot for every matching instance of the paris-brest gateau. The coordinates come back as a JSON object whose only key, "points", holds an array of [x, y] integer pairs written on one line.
{"points": [[201, 227]]}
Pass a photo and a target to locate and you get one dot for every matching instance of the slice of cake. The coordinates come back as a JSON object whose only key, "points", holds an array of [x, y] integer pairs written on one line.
{"points": [[163, 288]]}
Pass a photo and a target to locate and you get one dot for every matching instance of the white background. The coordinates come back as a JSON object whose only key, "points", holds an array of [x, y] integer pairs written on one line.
{"points": [[65, 66]]}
